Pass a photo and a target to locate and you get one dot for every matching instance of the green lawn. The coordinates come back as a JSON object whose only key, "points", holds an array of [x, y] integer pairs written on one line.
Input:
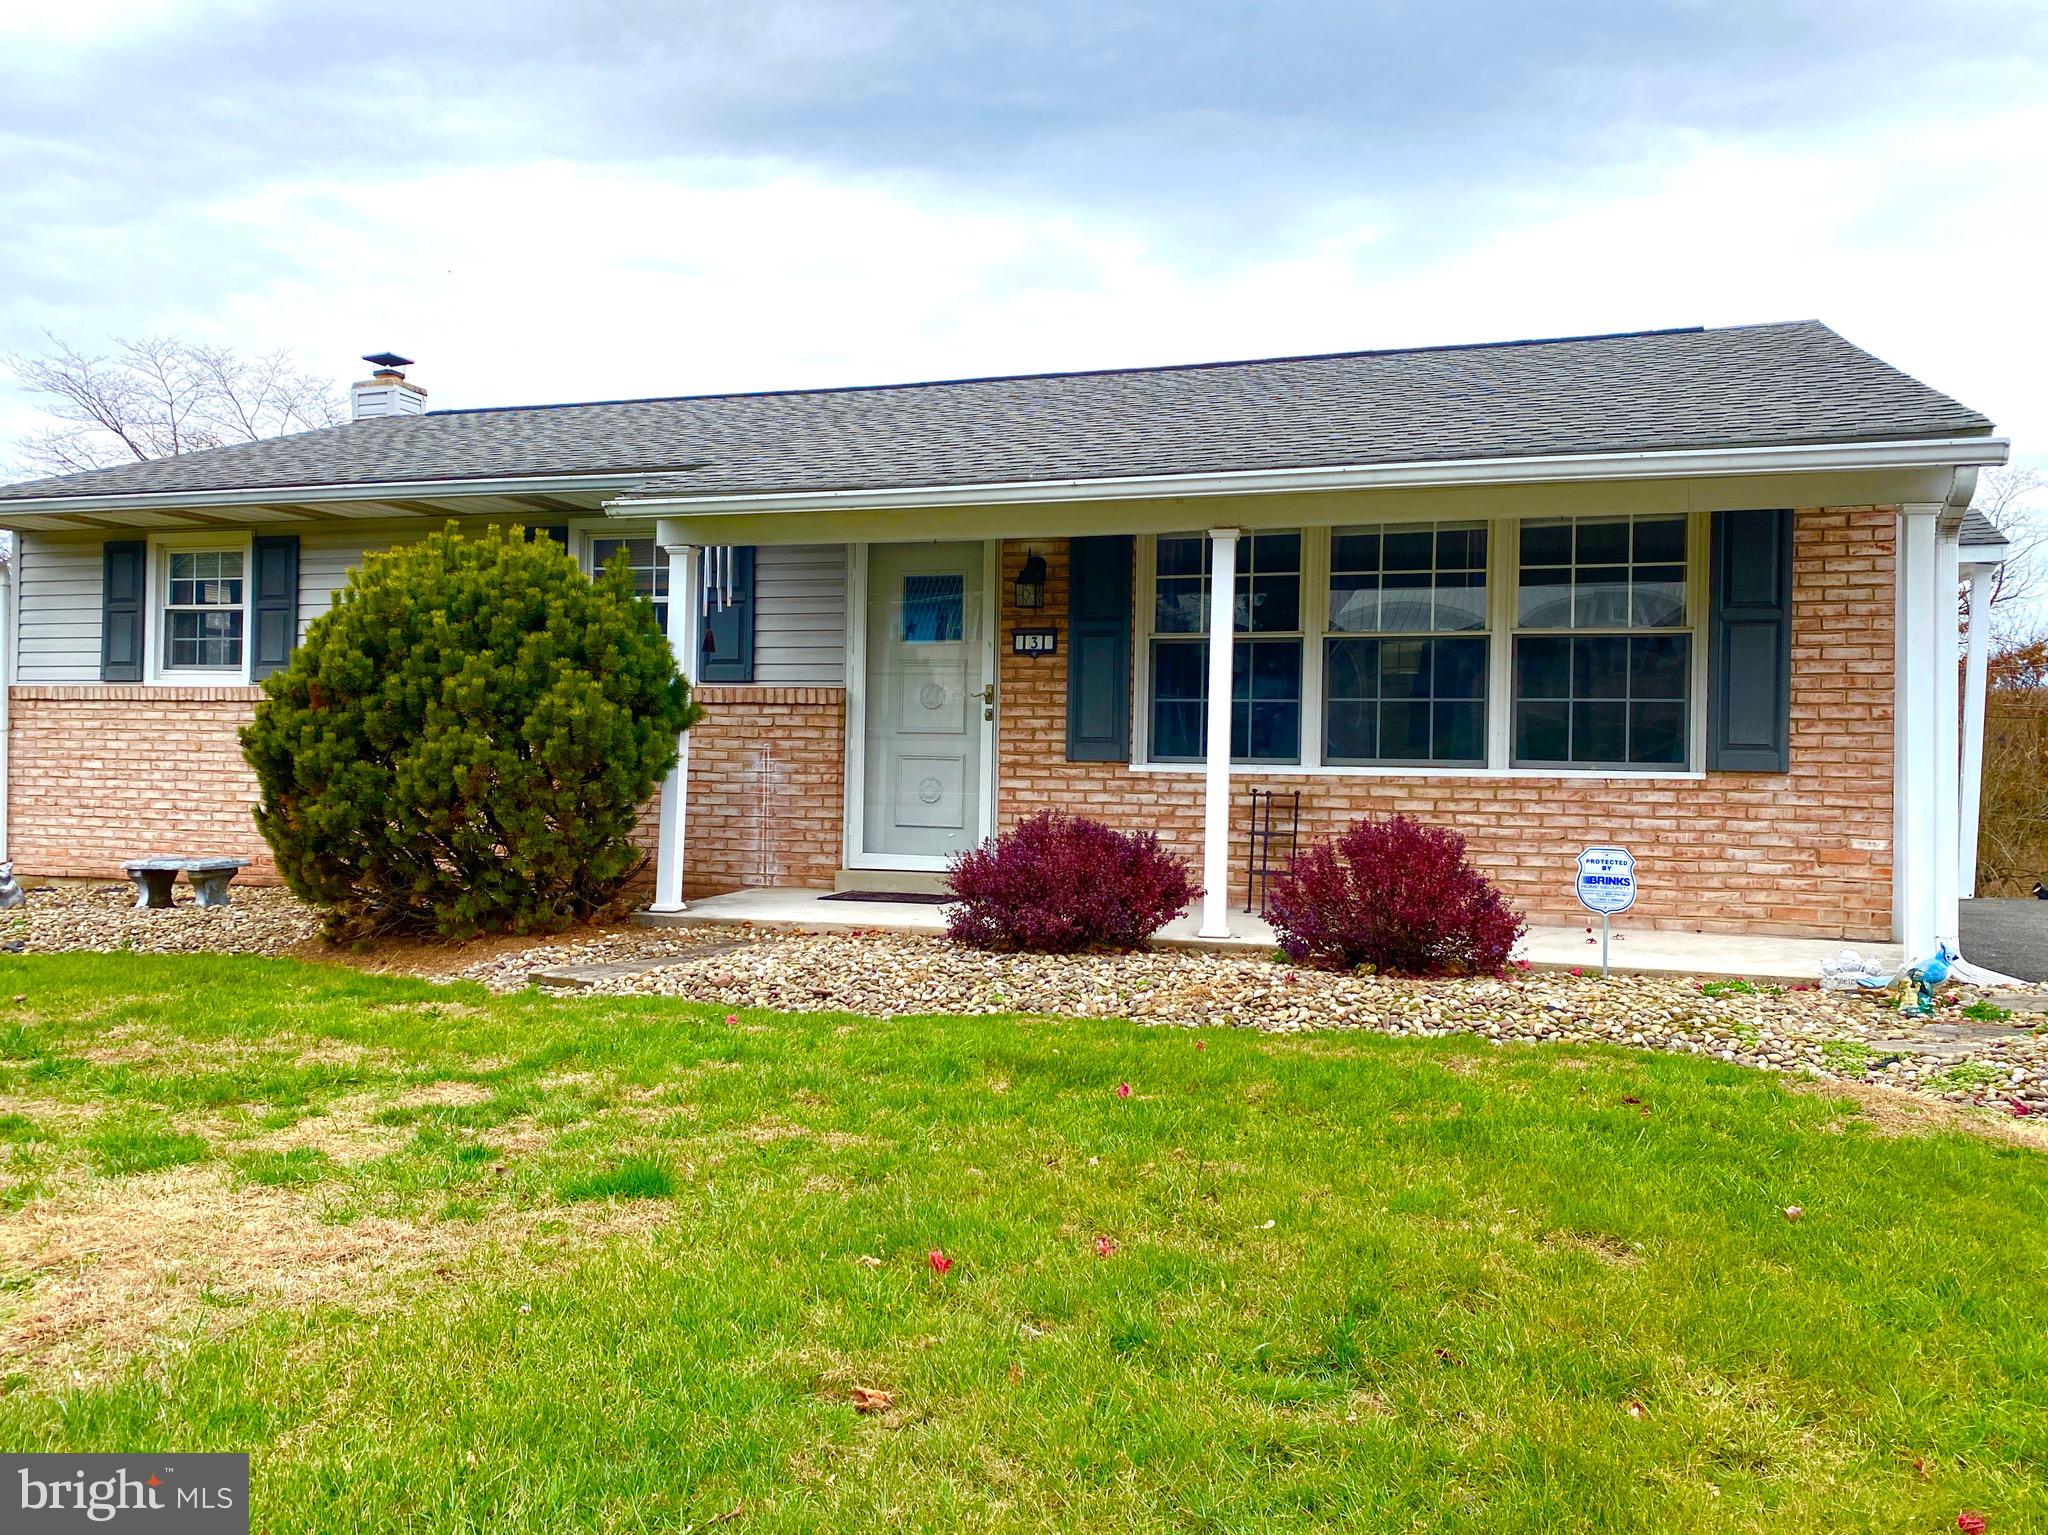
{"points": [[611, 1265]]}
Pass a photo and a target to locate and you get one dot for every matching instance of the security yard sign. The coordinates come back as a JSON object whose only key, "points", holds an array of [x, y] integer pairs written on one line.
{"points": [[1607, 879], [1606, 884]]}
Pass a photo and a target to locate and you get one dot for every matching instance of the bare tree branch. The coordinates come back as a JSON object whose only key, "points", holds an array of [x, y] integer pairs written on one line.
{"points": [[156, 396], [2007, 497]]}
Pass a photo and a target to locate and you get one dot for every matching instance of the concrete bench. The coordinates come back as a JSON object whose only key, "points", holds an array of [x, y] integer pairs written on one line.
{"points": [[209, 878]]}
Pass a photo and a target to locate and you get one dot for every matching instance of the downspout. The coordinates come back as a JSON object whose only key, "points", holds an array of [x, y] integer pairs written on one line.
{"points": [[1974, 687]]}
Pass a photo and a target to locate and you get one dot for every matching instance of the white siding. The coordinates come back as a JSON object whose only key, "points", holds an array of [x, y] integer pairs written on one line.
{"points": [[329, 552], [799, 597], [799, 600], [800, 615], [58, 589]]}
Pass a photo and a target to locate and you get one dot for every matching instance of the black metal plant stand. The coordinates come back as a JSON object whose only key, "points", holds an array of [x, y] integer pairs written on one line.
{"points": [[1271, 841]]}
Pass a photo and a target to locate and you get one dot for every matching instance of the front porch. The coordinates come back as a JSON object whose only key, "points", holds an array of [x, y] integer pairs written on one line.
{"points": [[1641, 951], [1774, 736]]}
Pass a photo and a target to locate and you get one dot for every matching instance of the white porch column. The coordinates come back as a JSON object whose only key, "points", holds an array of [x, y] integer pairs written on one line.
{"points": [[684, 563], [1971, 797], [1216, 774], [1947, 737], [1916, 754]]}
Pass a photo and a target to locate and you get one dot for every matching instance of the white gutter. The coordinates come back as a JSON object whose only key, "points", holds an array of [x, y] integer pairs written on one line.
{"points": [[377, 490], [1919, 453]]}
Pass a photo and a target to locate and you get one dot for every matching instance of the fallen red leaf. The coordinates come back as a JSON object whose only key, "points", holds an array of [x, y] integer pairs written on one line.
{"points": [[939, 1261], [867, 1399]]}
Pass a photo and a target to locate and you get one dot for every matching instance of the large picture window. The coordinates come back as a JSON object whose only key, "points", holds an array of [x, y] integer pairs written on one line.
{"points": [[1405, 651], [1265, 712], [1603, 651], [1552, 644], [203, 610]]}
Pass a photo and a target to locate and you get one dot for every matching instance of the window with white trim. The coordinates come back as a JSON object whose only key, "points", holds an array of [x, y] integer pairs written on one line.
{"points": [[1405, 645], [203, 612], [1555, 644], [1603, 644], [647, 563], [1265, 712]]}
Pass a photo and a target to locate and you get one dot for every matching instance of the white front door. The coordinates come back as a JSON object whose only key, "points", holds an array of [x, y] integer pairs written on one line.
{"points": [[925, 729]]}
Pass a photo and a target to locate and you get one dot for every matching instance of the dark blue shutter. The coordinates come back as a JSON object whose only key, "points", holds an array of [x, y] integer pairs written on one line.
{"points": [[725, 636], [122, 582], [276, 558], [559, 532], [1749, 643], [1099, 649]]}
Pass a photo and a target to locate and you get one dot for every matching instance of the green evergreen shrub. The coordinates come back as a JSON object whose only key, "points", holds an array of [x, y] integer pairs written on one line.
{"points": [[464, 741]]}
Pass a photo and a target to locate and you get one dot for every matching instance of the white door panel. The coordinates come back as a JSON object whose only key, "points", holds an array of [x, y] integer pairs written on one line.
{"points": [[925, 734], [932, 792]]}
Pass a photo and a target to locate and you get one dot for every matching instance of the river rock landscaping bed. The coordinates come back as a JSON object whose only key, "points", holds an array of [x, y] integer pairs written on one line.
{"points": [[57, 918], [1997, 1061], [2001, 1061]]}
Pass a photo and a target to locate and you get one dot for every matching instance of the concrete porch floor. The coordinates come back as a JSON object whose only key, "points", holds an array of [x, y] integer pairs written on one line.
{"points": [[1634, 949]]}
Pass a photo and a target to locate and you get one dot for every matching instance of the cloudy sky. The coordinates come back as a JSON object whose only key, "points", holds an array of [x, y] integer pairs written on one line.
{"points": [[543, 199]]}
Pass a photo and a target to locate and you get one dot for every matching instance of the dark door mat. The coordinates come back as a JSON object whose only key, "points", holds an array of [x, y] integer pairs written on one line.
{"points": [[894, 897]]}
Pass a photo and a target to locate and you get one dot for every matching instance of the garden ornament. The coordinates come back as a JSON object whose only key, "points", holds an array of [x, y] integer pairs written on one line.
{"points": [[1849, 970], [1927, 974], [10, 892]]}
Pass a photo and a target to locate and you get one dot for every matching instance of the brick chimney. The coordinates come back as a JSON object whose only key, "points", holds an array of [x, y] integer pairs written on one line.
{"points": [[385, 392]]}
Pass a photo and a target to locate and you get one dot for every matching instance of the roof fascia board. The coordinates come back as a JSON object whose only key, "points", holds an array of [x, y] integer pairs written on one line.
{"points": [[374, 490], [1919, 453], [1303, 509]]}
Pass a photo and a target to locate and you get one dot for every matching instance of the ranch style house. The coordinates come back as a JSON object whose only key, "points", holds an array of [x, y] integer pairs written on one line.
{"points": [[1692, 591]]}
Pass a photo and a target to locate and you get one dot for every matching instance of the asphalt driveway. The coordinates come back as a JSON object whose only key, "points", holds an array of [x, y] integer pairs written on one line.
{"points": [[2008, 935]]}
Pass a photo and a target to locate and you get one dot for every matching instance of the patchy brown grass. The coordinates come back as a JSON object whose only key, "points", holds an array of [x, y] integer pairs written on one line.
{"points": [[1891, 1111], [442, 1095], [1605, 1246], [113, 1266], [343, 1132]]}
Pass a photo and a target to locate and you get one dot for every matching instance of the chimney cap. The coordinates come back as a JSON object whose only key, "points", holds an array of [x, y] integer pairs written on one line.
{"points": [[388, 360]]}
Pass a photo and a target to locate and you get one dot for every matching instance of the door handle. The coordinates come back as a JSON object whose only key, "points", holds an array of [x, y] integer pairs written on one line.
{"points": [[988, 701]]}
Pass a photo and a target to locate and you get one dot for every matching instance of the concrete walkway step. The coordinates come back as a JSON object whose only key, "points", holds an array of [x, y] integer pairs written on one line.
{"points": [[2022, 1001], [1950, 1041], [584, 977]]}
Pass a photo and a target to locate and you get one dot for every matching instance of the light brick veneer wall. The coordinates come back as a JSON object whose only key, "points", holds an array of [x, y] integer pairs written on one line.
{"points": [[767, 788], [99, 774], [1804, 852]]}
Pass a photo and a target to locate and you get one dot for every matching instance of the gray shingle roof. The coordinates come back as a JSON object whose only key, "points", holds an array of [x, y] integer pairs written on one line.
{"points": [[1744, 386], [1980, 532]]}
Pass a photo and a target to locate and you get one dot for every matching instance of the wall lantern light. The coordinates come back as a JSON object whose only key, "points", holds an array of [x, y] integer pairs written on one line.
{"points": [[1031, 581]]}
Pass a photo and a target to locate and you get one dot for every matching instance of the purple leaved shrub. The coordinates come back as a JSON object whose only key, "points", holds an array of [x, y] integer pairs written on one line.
{"points": [[1059, 884], [1397, 896]]}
